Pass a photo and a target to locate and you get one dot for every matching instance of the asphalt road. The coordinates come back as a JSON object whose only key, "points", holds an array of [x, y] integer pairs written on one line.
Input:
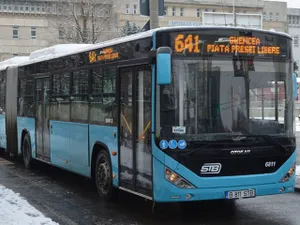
{"points": [[71, 199]]}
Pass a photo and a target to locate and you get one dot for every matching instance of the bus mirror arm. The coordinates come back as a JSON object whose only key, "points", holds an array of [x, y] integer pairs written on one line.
{"points": [[152, 57]]}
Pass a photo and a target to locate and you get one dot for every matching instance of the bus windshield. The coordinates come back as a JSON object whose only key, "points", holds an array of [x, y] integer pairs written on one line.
{"points": [[211, 99]]}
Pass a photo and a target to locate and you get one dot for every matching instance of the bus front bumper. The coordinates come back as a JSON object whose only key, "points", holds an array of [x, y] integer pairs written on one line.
{"points": [[170, 193]]}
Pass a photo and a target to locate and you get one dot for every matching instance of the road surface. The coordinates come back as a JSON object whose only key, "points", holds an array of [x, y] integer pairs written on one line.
{"points": [[70, 199]]}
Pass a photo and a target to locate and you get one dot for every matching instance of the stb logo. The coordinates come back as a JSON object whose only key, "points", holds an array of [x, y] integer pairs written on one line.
{"points": [[211, 168]]}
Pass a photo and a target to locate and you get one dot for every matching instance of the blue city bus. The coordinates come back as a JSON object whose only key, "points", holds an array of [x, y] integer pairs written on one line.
{"points": [[177, 114]]}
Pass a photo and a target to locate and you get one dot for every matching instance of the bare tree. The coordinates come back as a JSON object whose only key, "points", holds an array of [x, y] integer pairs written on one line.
{"points": [[82, 21], [130, 28]]}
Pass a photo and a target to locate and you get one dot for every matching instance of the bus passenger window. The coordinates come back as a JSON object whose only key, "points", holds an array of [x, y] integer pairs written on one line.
{"points": [[79, 96], [143, 123], [60, 101], [103, 108]]}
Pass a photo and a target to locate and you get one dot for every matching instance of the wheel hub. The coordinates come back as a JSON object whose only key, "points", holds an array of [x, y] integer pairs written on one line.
{"points": [[103, 177]]}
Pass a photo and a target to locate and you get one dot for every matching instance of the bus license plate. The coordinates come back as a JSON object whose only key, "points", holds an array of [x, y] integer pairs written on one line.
{"points": [[250, 193]]}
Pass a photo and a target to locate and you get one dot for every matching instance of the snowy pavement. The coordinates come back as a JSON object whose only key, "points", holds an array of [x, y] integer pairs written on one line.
{"points": [[14, 210], [297, 186]]}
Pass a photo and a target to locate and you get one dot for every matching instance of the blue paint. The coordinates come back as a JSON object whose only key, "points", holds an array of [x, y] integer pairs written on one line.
{"points": [[163, 64], [105, 134], [28, 124], [163, 144], [2, 132], [60, 144], [159, 155], [153, 83], [215, 187], [173, 144], [78, 151], [71, 146], [182, 144]]}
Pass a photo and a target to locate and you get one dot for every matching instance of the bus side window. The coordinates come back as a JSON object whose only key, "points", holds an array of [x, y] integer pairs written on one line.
{"points": [[103, 108], [60, 101], [26, 97], [2, 92], [79, 96]]}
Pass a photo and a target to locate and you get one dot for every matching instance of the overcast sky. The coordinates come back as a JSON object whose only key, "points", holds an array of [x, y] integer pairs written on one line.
{"points": [[292, 3]]}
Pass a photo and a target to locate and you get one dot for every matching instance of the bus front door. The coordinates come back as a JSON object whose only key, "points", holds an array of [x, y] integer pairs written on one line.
{"points": [[42, 118], [135, 167]]}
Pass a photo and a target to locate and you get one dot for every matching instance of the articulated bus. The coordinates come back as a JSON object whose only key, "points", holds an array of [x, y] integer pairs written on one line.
{"points": [[179, 114]]}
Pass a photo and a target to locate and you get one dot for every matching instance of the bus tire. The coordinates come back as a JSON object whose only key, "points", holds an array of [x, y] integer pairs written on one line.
{"points": [[103, 177], [27, 152]]}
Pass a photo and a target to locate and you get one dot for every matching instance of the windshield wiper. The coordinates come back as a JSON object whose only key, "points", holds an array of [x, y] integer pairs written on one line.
{"points": [[208, 144], [236, 141]]}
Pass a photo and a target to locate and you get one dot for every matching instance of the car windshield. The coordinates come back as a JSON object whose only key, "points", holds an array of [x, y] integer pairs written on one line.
{"points": [[211, 99]]}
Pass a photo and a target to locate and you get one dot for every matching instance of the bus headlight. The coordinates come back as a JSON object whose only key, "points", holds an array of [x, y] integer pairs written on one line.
{"points": [[177, 180], [289, 174]]}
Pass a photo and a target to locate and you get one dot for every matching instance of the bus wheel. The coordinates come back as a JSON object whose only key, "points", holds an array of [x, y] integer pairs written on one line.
{"points": [[26, 152], [103, 176]]}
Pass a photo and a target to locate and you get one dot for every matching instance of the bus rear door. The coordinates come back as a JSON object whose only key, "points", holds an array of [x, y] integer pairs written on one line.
{"points": [[42, 118]]}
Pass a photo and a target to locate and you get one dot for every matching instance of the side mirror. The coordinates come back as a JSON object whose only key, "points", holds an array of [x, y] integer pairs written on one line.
{"points": [[163, 65]]}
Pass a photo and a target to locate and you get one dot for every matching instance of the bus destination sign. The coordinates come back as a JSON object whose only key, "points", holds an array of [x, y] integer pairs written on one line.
{"points": [[192, 43], [103, 55]]}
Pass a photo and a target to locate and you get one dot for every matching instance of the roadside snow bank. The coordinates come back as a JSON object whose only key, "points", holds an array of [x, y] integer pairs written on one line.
{"points": [[14, 210]]}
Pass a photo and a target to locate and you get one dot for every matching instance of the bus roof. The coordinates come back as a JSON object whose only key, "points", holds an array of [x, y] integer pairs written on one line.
{"points": [[56, 50], [64, 50], [13, 61]]}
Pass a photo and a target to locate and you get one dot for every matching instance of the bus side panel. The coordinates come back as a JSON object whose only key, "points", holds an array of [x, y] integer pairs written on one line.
{"points": [[105, 135], [79, 148], [11, 110], [26, 124], [2, 132], [60, 144]]}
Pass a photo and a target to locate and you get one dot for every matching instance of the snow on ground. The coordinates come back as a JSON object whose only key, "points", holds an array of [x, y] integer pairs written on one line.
{"points": [[14, 210], [297, 124]]}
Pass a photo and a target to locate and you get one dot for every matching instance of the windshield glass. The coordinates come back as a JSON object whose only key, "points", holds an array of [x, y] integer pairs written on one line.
{"points": [[212, 99]]}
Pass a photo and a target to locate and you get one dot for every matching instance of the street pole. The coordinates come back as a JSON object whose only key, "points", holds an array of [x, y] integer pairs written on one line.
{"points": [[234, 14], [154, 19]]}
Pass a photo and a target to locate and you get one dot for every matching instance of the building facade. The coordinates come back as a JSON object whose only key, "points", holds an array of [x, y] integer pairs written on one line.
{"points": [[294, 31], [28, 25], [275, 16], [187, 12]]}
